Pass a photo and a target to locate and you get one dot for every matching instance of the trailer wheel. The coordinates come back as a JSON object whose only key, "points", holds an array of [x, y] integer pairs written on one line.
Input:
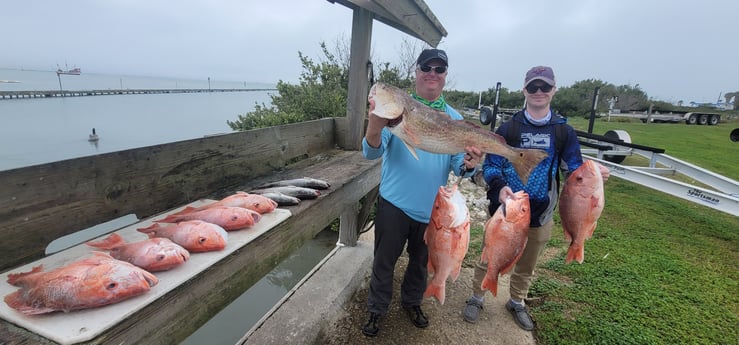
{"points": [[620, 135], [486, 115], [692, 119], [734, 136], [713, 120], [703, 119]]}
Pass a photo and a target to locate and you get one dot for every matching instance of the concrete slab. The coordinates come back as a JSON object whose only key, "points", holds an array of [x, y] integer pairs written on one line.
{"points": [[319, 302]]}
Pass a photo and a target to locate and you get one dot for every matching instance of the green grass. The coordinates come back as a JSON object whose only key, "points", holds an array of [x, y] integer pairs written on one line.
{"points": [[659, 269], [706, 146]]}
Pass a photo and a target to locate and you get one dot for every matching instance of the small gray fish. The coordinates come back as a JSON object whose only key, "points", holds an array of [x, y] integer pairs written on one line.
{"points": [[301, 193], [307, 182], [282, 199]]}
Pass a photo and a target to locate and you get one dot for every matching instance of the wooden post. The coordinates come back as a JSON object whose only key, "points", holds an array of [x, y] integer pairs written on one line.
{"points": [[356, 111], [358, 80]]}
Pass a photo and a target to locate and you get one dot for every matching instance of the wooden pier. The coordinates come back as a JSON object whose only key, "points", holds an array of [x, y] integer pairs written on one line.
{"points": [[109, 92]]}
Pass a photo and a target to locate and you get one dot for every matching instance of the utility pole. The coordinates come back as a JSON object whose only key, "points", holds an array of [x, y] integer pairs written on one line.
{"points": [[592, 110]]}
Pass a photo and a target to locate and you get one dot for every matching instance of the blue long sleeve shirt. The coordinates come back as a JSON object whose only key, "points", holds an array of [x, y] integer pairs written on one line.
{"points": [[411, 184]]}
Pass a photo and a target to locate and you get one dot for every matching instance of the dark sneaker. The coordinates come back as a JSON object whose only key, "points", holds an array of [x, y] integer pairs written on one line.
{"points": [[370, 329], [472, 310], [417, 316], [520, 315]]}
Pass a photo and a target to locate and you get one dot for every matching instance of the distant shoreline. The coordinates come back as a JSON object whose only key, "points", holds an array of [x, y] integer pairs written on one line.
{"points": [[271, 84]]}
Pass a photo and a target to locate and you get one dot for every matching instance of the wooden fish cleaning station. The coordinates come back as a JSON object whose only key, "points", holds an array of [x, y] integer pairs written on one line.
{"points": [[41, 203]]}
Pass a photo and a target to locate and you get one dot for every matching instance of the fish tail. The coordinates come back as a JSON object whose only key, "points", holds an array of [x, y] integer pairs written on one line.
{"points": [[576, 252], [490, 283], [435, 290], [526, 160], [107, 243]]}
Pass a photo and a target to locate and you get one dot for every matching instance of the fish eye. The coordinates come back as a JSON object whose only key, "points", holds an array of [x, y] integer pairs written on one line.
{"points": [[111, 286], [160, 257], [234, 218], [202, 240]]}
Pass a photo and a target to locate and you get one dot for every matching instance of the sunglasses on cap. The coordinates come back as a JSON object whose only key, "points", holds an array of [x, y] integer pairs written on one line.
{"points": [[437, 69], [532, 88]]}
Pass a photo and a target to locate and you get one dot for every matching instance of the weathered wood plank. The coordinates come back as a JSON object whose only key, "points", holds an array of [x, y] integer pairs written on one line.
{"points": [[179, 313], [41, 203]]}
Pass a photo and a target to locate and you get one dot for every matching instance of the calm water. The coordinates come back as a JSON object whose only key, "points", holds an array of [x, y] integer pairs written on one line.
{"points": [[35, 131]]}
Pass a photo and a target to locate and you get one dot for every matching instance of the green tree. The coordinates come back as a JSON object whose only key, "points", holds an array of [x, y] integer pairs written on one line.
{"points": [[322, 92], [323, 88]]}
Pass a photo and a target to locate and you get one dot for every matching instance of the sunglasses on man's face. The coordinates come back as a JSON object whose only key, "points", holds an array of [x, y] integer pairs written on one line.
{"points": [[437, 69], [532, 88]]}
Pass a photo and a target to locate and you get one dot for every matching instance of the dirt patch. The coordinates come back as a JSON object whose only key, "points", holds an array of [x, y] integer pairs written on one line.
{"points": [[496, 326]]}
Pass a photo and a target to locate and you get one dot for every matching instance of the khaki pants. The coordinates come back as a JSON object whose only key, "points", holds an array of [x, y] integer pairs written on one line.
{"points": [[523, 273]]}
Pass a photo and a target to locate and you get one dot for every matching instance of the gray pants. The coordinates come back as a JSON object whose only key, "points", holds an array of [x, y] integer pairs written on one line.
{"points": [[523, 273]]}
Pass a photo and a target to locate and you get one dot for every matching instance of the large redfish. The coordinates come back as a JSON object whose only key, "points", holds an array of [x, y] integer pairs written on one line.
{"points": [[422, 127], [87, 283], [447, 237], [194, 235], [254, 202], [227, 217], [506, 234], [580, 206], [154, 254]]}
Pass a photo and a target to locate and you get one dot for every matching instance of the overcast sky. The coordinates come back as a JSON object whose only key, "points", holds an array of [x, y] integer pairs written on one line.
{"points": [[673, 49]]}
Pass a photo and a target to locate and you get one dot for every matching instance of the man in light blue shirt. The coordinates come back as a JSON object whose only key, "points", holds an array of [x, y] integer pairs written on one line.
{"points": [[408, 187]]}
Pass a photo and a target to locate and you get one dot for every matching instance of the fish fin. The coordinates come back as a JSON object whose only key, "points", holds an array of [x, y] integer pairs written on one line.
{"points": [[568, 236], [109, 242], [525, 161], [189, 209], [150, 230], [591, 231], [171, 218], [437, 291], [594, 201], [455, 273], [490, 283], [576, 252], [14, 277], [430, 268], [513, 262], [411, 149]]}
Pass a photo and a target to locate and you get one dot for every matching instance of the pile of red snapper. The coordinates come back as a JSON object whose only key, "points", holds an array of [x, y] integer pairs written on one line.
{"points": [[124, 272]]}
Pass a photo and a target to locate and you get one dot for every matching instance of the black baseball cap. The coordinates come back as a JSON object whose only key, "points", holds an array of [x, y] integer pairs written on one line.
{"points": [[430, 54]]}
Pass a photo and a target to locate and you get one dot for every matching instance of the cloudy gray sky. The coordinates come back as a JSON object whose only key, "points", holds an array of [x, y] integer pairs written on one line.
{"points": [[673, 49]]}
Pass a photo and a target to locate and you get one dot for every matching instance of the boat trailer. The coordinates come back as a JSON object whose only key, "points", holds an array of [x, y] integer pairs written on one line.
{"points": [[612, 148]]}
